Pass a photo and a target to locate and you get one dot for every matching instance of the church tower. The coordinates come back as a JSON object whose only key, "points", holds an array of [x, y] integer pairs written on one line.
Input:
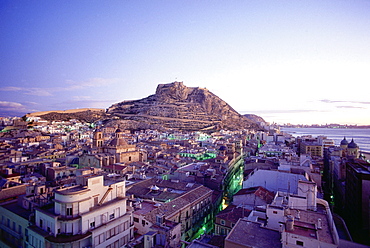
{"points": [[344, 146], [98, 140], [353, 149]]}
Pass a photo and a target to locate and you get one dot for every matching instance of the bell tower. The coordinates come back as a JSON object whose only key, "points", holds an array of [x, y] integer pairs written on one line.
{"points": [[98, 139]]}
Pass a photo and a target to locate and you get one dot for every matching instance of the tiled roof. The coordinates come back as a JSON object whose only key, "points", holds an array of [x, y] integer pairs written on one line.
{"points": [[170, 208], [260, 192], [233, 213]]}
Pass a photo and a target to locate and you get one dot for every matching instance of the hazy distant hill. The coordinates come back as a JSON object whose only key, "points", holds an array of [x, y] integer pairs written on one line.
{"points": [[84, 115], [179, 107], [255, 118]]}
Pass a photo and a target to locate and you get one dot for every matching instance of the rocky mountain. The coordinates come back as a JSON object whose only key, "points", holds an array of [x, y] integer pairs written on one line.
{"points": [[175, 106]]}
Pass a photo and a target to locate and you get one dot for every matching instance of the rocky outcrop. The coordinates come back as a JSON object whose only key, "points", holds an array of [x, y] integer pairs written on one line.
{"points": [[175, 106]]}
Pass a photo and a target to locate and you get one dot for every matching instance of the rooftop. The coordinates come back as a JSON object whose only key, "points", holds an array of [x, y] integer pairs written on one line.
{"points": [[251, 234], [14, 207], [360, 166], [72, 190], [312, 224]]}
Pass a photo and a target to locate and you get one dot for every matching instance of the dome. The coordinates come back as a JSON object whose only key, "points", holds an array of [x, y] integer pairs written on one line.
{"points": [[352, 144], [344, 142], [223, 148], [118, 130], [118, 142]]}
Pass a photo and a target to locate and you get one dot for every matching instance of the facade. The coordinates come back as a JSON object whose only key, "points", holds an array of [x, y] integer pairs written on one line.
{"points": [[357, 199], [227, 219], [313, 148], [14, 222]]}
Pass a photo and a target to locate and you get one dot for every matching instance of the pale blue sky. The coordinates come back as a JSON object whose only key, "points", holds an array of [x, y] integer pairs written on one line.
{"points": [[287, 61]]}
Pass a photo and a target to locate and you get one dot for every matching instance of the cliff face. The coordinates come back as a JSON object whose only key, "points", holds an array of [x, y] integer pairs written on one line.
{"points": [[179, 107]]}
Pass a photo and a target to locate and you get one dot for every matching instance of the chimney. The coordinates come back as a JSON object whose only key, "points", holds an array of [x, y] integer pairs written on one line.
{"points": [[319, 224], [159, 219], [289, 223]]}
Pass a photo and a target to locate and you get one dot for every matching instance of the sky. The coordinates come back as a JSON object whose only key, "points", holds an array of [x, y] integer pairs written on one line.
{"points": [[300, 62]]}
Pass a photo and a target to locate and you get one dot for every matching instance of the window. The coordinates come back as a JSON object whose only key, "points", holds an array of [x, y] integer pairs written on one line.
{"points": [[69, 211], [143, 222], [136, 219], [300, 243], [111, 216], [274, 212], [92, 224], [222, 222]]}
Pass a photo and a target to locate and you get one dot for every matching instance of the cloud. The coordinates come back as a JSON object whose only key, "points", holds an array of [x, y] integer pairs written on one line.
{"points": [[90, 83], [13, 108], [281, 111], [336, 101], [70, 86], [83, 102], [350, 107], [10, 88], [29, 91]]}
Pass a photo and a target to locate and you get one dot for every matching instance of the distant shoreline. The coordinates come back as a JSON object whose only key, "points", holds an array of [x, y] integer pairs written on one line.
{"points": [[327, 126]]}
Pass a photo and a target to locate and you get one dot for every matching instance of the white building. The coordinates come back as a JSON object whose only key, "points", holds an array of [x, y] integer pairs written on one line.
{"points": [[91, 214], [274, 180], [302, 219]]}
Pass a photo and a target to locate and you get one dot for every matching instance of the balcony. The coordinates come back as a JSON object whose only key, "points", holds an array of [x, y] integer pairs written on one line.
{"points": [[64, 238]]}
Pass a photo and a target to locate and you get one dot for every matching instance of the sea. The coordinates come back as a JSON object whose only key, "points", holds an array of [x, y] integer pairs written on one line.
{"points": [[360, 136]]}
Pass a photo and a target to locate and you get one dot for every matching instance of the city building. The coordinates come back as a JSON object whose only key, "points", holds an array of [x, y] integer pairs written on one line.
{"points": [[315, 149], [227, 219], [114, 151], [357, 199], [90, 214]]}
